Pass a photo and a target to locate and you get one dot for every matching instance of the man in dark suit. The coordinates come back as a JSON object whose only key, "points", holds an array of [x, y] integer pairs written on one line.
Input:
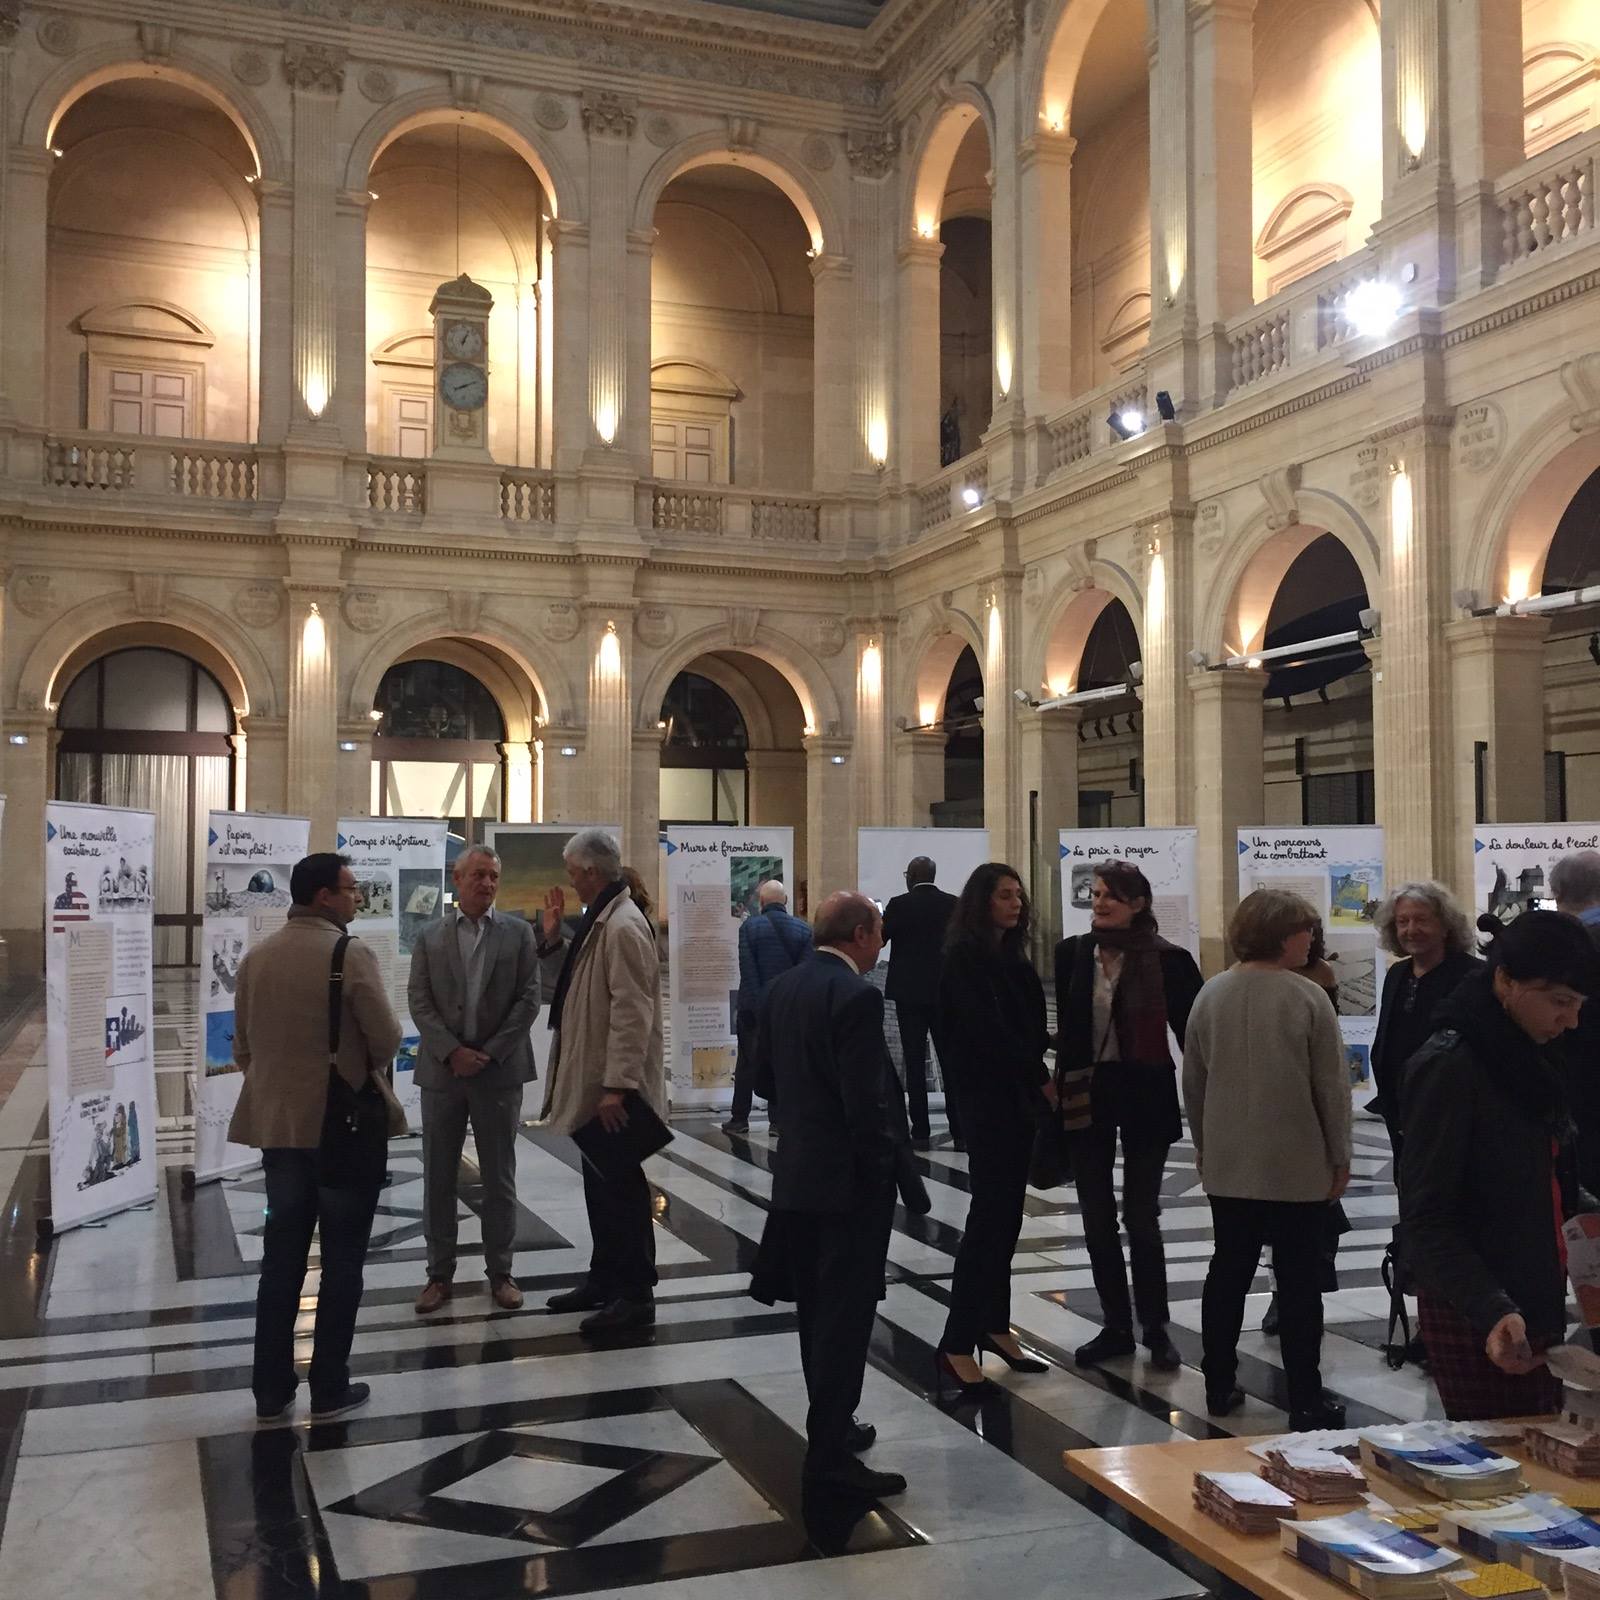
{"points": [[820, 1038], [474, 993], [770, 943], [914, 925]]}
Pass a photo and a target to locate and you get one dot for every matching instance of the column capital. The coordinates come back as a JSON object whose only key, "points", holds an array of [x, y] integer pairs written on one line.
{"points": [[819, 746], [1228, 683], [561, 230], [920, 252], [314, 68], [830, 265], [1495, 635], [608, 115], [1049, 147], [642, 239], [26, 160], [355, 202]]}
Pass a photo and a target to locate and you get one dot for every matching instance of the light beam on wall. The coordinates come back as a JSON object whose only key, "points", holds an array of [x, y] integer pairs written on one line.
{"points": [[314, 636], [315, 392], [605, 422], [872, 670], [1400, 511], [1156, 599], [878, 440], [1002, 363], [610, 652]]}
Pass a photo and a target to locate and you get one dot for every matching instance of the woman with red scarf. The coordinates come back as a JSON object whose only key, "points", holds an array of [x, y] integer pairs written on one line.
{"points": [[1120, 988]]}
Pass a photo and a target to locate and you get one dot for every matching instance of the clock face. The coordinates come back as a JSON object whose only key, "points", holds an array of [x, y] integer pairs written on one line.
{"points": [[463, 387], [463, 341]]}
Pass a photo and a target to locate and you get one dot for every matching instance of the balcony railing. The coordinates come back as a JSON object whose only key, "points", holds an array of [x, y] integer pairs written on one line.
{"points": [[1259, 350], [679, 510], [88, 463], [722, 511], [1548, 202], [201, 472], [947, 495], [397, 485], [793, 520], [527, 496]]}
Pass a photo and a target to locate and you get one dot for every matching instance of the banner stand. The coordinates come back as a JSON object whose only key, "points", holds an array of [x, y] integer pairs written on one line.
{"points": [[1166, 856]]}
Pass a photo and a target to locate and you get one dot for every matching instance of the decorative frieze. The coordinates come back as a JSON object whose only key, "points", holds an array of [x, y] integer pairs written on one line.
{"points": [[608, 115], [827, 637], [317, 67], [1366, 481], [660, 130], [1211, 529]]}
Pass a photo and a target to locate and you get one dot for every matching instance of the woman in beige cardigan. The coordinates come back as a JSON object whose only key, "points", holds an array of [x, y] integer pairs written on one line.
{"points": [[606, 1018], [1268, 1097]]}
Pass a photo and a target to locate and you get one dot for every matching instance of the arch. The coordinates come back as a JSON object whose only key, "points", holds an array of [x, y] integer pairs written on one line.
{"points": [[521, 241], [936, 155], [1511, 538], [93, 69], [1301, 213], [1128, 331], [424, 636], [146, 319], [394, 350], [1054, 655], [740, 245], [711, 150], [819, 700], [1064, 41], [429, 107], [931, 661], [519, 709], [112, 622], [697, 378], [749, 700], [1234, 618]]}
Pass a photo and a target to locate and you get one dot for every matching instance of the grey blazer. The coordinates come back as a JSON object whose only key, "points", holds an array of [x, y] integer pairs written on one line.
{"points": [[437, 993]]}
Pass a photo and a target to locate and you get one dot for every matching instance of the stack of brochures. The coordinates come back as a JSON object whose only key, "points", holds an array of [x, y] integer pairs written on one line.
{"points": [[1570, 1448], [1581, 1407], [1534, 1532], [1241, 1502], [1369, 1556], [1431, 1458], [1320, 1476], [1580, 1572], [1494, 1582]]}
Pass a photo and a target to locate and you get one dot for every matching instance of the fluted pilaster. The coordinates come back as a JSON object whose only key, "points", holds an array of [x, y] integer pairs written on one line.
{"points": [[1168, 635], [313, 752]]}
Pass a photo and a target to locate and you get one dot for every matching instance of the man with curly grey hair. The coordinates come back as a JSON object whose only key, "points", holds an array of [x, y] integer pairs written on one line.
{"points": [[1421, 923]]}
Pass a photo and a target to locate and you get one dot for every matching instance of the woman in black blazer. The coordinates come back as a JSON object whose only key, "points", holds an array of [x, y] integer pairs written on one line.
{"points": [[1119, 988], [992, 1008]]}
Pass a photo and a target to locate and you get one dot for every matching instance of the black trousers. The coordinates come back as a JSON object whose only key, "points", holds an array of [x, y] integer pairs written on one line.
{"points": [[837, 1260], [980, 1292], [1240, 1228], [1094, 1154], [297, 1205], [622, 1260], [744, 1070], [916, 1023]]}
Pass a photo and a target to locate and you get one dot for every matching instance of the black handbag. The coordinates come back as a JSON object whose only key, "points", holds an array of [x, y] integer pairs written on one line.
{"points": [[355, 1125]]}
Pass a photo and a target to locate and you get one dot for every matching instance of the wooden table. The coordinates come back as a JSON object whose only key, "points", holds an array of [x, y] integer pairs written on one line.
{"points": [[1155, 1482]]}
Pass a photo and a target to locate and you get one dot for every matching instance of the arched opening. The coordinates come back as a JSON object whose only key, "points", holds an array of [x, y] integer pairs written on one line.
{"points": [[152, 729], [152, 267], [439, 747], [1108, 116], [733, 748], [966, 299], [1111, 732], [1560, 71], [453, 198], [962, 723], [1316, 136], [731, 332], [1572, 664]]}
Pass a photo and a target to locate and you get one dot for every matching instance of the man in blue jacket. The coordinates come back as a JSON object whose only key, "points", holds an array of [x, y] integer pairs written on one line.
{"points": [[770, 943]]}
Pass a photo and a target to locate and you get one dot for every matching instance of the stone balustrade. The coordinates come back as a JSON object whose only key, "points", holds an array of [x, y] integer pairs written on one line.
{"points": [[734, 513], [527, 496], [1547, 202], [397, 486]]}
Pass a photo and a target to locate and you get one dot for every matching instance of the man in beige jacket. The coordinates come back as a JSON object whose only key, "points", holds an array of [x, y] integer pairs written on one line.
{"points": [[280, 1044], [606, 1018]]}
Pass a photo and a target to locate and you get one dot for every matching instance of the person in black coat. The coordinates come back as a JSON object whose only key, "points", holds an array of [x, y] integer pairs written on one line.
{"points": [[914, 927], [1119, 989], [1421, 923], [992, 1007], [1489, 1171], [844, 1149], [1575, 882]]}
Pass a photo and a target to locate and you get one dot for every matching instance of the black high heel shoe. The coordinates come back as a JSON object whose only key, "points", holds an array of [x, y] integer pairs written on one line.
{"points": [[1016, 1363], [965, 1393]]}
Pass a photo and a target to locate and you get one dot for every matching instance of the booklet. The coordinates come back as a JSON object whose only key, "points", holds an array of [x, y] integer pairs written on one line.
{"points": [[1534, 1533], [1370, 1556]]}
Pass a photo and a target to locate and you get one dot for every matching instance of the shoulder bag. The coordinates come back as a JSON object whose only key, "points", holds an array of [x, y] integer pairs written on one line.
{"points": [[356, 1123]]}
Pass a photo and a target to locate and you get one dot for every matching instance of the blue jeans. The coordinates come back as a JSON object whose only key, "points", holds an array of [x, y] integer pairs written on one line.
{"points": [[296, 1206]]}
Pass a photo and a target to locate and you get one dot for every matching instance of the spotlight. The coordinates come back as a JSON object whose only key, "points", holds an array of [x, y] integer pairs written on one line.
{"points": [[1126, 424], [1594, 648], [971, 498], [1369, 618], [977, 705], [569, 749], [1164, 406], [1022, 697], [1371, 307], [1136, 671], [16, 738], [347, 745], [1199, 660], [1465, 599], [838, 761]]}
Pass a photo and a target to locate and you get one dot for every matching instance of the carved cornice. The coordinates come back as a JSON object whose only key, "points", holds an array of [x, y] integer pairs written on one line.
{"points": [[318, 67]]}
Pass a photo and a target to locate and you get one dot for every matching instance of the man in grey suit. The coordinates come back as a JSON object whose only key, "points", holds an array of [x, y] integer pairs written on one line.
{"points": [[474, 994]]}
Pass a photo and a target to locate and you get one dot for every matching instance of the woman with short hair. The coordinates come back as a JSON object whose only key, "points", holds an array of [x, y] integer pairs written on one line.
{"points": [[1119, 988], [1268, 1098], [1489, 1172]]}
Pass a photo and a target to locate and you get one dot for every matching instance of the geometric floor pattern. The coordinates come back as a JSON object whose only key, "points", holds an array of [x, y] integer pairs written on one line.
{"points": [[503, 1455]]}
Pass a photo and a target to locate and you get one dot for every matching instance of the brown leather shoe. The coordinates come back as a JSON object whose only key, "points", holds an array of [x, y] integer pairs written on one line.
{"points": [[434, 1294], [506, 1293]]}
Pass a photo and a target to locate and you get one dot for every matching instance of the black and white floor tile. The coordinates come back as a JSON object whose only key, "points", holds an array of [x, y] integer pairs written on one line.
{"points": [[502, 1455]]}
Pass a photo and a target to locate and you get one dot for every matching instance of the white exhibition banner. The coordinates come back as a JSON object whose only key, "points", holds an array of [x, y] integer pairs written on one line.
{"points": [[99, 908], [882, 854], [249, 858], [1166, 856], [1512, 861], [532, 862], [1340, 871], [713, 875], [399, 868]]}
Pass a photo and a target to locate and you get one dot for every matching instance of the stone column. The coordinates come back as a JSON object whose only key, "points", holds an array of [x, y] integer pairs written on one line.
{"points": [[10, 16], [917, 391], [1002, 625], [608, 758], [275, 403], [1228, 795], [870, 762], [636, 349], [1049, 760], [267, 775], [1483, 83], [29, 776], [871, 244], [1164, 694], [1497, 692], [521, 781], [24, 214], [609, 120], [1044, 176], [350, 399], [835, 441], [919, 775], [644, 825], [571, 426], [830, 856], [313, 787], [354, 768], [566, 797], [1413, 806]]}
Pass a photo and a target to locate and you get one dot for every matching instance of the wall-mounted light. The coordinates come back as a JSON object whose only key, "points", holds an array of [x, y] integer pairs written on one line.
{"points": [[349, 746], [1372, 307], [878, 441], [314, 391], [971, 497], [1164, 406], [1002, 365], [375, 714], [610, 652], [569, 749], [872, 668], [372, 194], [57, 152], [837, 761], [314, 634], [1128, 423], [1199, 660], [605, 422], [16, 738]]}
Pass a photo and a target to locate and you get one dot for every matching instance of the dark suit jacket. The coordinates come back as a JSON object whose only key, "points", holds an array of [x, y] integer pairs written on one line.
{"points": [[820, 1037], [1580, 1071], [1140, 1096], [914, 926], [507, 1007], [1432, 992]]}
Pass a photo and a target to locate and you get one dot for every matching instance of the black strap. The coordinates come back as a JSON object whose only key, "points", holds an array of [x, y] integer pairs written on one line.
{"points": [[336, 999]]}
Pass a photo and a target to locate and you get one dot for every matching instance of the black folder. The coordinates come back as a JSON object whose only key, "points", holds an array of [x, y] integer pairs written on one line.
{"points": [[611, 1154]]}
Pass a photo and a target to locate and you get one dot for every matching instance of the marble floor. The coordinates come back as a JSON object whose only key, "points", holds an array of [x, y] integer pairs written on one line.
{"points": [[502, 1455]]}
